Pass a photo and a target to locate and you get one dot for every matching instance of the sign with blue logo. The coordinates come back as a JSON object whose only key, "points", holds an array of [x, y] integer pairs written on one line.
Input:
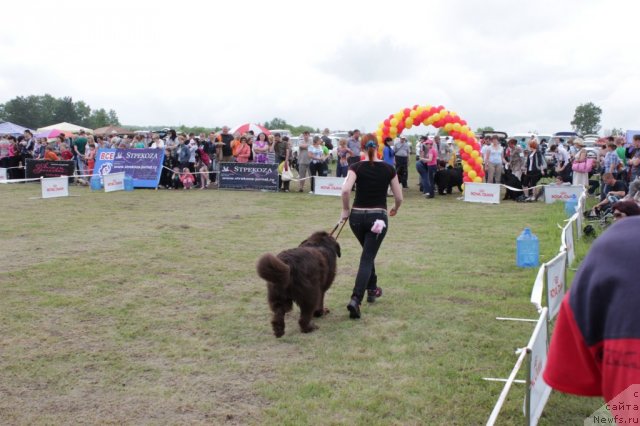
{"points": [[143, 165]]}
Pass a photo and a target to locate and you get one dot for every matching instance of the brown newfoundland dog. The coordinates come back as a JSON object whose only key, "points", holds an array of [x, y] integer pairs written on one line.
{"points": [[302, 275]]}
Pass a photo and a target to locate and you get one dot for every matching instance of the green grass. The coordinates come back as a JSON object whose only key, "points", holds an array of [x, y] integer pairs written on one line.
{"points": [[145, 307]]}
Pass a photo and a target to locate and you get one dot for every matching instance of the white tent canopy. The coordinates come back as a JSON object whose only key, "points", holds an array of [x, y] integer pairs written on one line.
{"points": [[65, 127]]}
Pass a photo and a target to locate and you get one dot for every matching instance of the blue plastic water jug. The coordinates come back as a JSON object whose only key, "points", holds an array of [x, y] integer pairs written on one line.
{"points": [[570, 205], [527, 250], [96, 183], [128, 183]]}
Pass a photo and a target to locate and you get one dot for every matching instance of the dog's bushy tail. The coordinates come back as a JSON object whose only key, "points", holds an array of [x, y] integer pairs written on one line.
{"points": [[274, 270]]}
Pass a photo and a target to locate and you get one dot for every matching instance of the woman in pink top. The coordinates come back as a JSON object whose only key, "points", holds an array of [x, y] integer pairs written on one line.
{"points": [[427, 167], [260, 149]]}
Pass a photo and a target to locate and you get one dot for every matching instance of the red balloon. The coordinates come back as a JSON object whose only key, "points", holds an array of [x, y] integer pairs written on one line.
{"points": [[400, 126], [387, 123], [416, 106], [406, 111], [466, 179], [463, 123], [440, 108], [432, 110], [439, 123]]}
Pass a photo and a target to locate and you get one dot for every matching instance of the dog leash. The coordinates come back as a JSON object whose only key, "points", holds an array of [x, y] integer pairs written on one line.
{"points": [[342, 222]]}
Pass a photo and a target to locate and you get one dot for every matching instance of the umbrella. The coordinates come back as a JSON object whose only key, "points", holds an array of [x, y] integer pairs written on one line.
{"points": [[111, 130], [8, 128], [244, 128]]}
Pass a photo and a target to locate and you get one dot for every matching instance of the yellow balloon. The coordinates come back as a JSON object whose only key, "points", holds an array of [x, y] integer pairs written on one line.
{"points": [[408, 122], [464, 129], [475, 154], [413, 113], [427, 107], [448, 127], [393, 122], [379, 133], [398, 115], [468, 149], [379, 137], [466, 168], [393, 132], [460, 144], [472, 174], [381, 126], [479, 161], [457, 127], [420, 109], [477, 179]]}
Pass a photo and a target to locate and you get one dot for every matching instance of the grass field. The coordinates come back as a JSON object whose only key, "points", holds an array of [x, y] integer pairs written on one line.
{"points": [[145, 308]]}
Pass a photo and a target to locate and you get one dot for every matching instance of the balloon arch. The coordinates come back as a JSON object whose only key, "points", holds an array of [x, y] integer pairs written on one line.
{"points": [[441, 118]]}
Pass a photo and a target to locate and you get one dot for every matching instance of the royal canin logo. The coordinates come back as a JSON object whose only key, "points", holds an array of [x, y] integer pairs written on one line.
{"points": [[55, 188], [482, 193], [115, 183], [561, 196], [331, 187]]}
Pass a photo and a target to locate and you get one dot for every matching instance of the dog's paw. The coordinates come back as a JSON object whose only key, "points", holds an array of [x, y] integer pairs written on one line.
{"points": [[278, 333], [321, 312], [309, 328]]}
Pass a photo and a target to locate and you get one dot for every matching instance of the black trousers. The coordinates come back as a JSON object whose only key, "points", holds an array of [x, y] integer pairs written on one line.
{"points": [[360, 222], [402, 168], [315, 169]]}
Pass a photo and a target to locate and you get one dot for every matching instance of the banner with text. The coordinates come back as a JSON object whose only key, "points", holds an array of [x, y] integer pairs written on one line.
{"points": [[556, 283], [539, 391], [328, 185], [143, 165], [553, 193], [567, 241], [48, 169], [55, 187], [113, 182], [482, 192], [256, 176]]}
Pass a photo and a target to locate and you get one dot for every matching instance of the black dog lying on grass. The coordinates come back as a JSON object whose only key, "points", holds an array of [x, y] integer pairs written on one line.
{"points": [[301, 275]]}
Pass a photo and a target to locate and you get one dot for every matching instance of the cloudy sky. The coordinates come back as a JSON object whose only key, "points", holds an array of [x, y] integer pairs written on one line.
{"points": [[515, 65]]}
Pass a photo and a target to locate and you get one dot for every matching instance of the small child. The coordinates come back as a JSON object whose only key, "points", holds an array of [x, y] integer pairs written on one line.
{"points": [[187, 178], [343, 159], [176, 182]]}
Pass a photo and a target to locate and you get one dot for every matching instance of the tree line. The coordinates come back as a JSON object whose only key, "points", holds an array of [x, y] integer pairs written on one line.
{"points": [[39, 111]]}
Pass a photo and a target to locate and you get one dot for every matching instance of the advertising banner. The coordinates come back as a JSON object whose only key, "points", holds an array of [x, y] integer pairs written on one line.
{"points": [[482, 193], [553, 193], [257, 176], [567, 240], [556, 283], [538, 390], [328, 185], [55, 187], [113, 182], [48, 169], [143, 165]]}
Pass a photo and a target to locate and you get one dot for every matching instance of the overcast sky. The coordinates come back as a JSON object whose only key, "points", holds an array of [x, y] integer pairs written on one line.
{"points": [[514, 65]]}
